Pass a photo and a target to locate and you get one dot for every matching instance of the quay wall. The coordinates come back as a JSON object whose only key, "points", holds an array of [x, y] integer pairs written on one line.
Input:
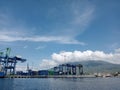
{"points": [[51, 76]]}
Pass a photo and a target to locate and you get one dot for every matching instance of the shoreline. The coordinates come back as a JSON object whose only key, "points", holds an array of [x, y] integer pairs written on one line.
{"points": [[56, 76], [50, 76]]}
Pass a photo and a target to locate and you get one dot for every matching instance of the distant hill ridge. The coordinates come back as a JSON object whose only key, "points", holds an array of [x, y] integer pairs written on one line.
{"points": [[99, 66]]}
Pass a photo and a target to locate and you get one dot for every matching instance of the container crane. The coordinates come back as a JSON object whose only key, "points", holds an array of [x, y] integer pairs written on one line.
{"points": [[9, 63]]}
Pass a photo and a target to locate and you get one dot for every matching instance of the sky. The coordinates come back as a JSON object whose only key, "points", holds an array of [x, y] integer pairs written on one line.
{"points": [[51, 32]]}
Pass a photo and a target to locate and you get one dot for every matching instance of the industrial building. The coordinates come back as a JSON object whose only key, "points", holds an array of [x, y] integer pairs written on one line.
{"points": [[64, 69], [68, 69]]}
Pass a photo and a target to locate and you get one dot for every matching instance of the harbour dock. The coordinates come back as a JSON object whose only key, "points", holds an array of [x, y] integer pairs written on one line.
{"points": [[50, 76]]}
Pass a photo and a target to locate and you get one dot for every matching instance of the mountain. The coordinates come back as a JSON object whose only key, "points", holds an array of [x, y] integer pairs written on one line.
{"points": [[99, 66]]}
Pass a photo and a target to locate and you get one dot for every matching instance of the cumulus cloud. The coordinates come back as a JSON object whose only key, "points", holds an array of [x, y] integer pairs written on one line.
{"points": [[46, 64], [78, 56]]}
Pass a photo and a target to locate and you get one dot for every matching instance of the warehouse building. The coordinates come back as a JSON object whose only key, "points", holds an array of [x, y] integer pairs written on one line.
{"points": [[68, 69]]}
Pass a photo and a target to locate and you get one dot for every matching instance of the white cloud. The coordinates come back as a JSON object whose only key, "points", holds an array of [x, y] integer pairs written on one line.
{"points": [[11, 28], [12, 36], [77, 56], [83, 19], [46, 64]]}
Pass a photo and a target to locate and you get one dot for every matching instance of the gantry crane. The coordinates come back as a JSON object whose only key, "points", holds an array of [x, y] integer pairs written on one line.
{"points": [[9, 63]]}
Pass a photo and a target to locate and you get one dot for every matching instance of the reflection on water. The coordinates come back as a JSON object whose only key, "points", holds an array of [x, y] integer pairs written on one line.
{"points": [[60, 84]]}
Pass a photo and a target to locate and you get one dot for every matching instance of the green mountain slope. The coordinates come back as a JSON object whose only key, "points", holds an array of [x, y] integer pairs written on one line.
{"points": [[99, 66]]}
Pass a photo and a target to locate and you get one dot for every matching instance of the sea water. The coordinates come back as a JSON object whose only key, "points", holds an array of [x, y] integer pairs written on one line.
{"points": [[60, 84]]}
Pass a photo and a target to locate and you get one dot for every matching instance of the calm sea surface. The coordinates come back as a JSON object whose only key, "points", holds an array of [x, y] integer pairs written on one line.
{"points": [[60, 84]]}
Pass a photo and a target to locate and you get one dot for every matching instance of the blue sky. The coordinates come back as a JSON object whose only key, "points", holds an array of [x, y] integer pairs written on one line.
{"points": [[36, 29]]}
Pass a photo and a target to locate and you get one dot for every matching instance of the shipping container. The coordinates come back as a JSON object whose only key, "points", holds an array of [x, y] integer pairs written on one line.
{"points": [[43, 72], [2, 74], [51, 72]]}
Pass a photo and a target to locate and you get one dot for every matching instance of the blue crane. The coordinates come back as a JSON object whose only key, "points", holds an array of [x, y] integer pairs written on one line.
{"points": [[9, 63]]}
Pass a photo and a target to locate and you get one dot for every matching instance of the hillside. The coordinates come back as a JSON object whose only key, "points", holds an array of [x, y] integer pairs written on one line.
{"points": [[99, 66]]}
